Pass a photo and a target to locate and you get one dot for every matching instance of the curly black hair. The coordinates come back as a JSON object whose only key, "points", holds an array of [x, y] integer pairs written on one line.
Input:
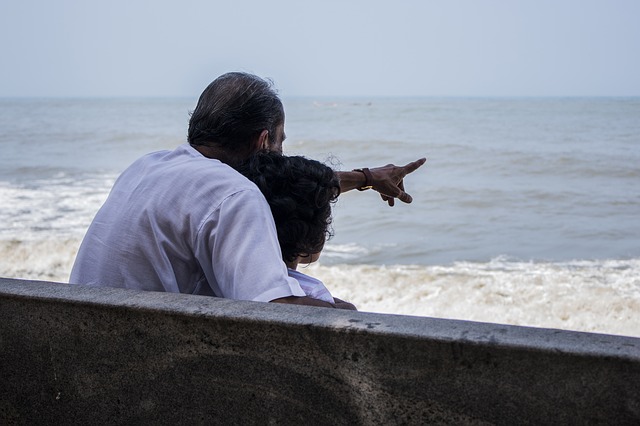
{"points": [[300, 192]]}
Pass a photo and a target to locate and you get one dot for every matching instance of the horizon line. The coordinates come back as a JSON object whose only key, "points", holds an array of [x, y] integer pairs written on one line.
{"points": [[322, 97]]}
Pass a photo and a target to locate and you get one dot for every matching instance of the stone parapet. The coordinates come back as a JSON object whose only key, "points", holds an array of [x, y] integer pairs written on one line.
{"points": [[95, 355]]}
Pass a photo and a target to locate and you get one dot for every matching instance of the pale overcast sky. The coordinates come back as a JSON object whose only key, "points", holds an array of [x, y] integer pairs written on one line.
{"points": [[161, 48]]}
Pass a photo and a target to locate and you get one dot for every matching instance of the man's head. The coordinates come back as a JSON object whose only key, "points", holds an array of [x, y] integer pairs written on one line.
{"points": [[238, 113], [300, 192]]}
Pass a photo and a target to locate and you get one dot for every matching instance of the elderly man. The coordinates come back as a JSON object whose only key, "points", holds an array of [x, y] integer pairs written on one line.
{"points": [[185, 221]]}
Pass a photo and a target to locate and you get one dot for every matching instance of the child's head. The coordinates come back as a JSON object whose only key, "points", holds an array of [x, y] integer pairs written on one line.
{"points": [[300, 192]]}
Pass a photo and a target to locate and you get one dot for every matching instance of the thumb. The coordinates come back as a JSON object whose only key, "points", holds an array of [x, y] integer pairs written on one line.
{"points": [[404, 197]]}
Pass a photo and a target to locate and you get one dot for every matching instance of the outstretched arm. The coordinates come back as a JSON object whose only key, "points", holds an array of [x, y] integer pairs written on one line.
{"points": [[387, 180]]}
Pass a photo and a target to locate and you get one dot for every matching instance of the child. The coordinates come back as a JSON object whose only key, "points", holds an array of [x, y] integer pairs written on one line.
{"points": [[300, 192]]}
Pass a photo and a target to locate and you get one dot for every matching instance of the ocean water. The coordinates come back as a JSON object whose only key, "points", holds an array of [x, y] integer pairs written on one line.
{"points": [[527, 211]]}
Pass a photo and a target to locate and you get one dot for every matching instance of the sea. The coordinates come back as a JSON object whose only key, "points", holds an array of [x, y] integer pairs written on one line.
{"points": [[527, 211]]}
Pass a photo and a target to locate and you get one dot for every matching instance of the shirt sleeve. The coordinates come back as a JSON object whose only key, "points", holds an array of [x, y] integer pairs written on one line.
{"points": [[313, 287], [238, 250]]}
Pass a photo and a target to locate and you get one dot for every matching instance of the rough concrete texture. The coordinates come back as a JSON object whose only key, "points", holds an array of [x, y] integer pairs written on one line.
{"points": [[82, 355]]}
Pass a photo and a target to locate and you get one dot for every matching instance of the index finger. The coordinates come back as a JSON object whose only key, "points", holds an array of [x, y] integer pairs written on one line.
{"points": [[414, 165]]}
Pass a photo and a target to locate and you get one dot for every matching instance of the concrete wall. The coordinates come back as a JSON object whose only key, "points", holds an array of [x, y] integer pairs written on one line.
{"points": [[86, 356]]}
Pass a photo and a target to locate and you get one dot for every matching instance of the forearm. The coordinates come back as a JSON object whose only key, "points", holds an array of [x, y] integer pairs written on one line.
{"points": [[351, 180], [307, 301]]}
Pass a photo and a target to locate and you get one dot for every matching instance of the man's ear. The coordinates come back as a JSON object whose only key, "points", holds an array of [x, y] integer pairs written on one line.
{"points": [[262, 143]]}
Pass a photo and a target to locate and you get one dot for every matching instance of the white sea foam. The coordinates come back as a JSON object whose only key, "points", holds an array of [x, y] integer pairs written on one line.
{"points": [[49, 260], [595, 296], [62, 206]]}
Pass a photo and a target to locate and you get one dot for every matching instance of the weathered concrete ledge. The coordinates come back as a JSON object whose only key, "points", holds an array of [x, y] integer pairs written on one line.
{"points": [[83, 355]]}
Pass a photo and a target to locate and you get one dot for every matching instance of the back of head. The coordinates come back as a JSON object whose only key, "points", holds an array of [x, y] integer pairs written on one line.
{"points": [[233, 110], [300, 192]]}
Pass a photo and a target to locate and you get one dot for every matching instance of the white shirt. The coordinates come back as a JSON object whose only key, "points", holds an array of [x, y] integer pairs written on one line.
{"points": [[177, 221]]}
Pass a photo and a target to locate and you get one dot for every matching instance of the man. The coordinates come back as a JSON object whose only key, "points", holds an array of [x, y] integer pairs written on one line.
{"points": [[185, 221]]}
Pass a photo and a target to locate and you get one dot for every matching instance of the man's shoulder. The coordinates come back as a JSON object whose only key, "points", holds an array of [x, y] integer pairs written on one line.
{"points": [[209, 178], [182, 152], [183, 176], [184, 163]]}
